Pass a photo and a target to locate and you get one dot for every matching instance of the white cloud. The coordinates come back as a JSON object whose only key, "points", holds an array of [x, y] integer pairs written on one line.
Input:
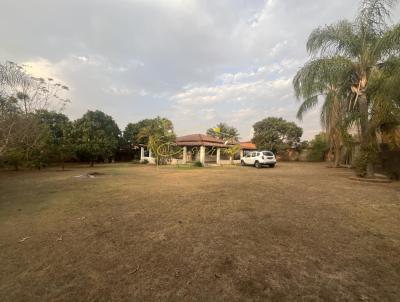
{"points": [[118, 90], [82, 58]]}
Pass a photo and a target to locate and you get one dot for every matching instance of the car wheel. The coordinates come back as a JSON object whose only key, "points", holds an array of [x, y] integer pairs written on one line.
{"points": [[257, 165], [272, 166], [242, 163]]}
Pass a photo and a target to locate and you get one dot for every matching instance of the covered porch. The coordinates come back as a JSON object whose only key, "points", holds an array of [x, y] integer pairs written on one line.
{"points": [[201, 148]]}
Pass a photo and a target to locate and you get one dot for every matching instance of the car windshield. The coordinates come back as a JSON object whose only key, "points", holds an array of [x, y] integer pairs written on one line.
{"points": [[267, 153]]}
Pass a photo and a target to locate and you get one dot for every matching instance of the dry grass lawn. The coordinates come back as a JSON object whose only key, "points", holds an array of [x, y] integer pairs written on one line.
{"points": [[299, 232]]}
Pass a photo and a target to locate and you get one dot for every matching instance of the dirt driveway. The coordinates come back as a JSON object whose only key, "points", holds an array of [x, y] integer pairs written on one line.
{"points": [[299, 232]]}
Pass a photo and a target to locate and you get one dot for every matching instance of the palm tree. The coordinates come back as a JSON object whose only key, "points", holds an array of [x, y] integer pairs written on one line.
{"points": [[367, 44], [325, 78], [384, 90]]}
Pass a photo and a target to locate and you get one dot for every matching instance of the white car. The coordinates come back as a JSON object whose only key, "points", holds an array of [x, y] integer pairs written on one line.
{"points": [[259, 159]]}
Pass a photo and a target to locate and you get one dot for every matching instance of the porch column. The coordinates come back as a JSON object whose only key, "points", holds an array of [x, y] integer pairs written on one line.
{"points": [[241, 153], [202, 154], [150, 153], [218, 156], [141, 153], [184, 155]]}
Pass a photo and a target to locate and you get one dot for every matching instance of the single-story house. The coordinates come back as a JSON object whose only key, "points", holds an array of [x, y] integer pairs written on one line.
{"points": [[200, 147]]}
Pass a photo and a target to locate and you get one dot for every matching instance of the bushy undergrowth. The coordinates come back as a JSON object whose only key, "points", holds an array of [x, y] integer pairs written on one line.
{"points": [[198, 164], [318, 148], [365, 155]]}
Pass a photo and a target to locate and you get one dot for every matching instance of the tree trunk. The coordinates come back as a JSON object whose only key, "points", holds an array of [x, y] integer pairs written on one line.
{"points": [[337, 157], [92, 162], [62, 161], [365, 139]]}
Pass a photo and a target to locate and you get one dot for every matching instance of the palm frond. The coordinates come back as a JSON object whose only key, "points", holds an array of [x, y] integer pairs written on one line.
{"points": [[374, 14], [319, 75], [306, 106], [336, 39], [388, 43]]}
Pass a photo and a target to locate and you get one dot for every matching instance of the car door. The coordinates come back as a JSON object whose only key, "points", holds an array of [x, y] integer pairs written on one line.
{"points": [[247, 158], [252, 158]]}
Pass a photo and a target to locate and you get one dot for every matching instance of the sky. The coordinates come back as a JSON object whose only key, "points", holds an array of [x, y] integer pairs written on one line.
{"points": [[196, 62]]}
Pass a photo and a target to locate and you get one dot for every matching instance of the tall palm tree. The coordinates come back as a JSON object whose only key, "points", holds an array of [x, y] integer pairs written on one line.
{"points": [[366, 44], [384, 90], [325, 78]]}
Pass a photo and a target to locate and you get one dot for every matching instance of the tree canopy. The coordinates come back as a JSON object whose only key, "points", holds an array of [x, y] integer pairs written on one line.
{"points": [[96, 135], [60, 143], [276, 134], [225, 132]]}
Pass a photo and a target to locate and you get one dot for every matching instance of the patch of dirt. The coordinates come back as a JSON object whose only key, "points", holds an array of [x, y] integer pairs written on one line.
{"points": [[90, 175]]}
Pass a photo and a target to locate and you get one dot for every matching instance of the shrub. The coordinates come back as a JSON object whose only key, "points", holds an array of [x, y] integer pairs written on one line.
{"points": [[319, 146], [144, 162], [366, 155], [197, 164]]}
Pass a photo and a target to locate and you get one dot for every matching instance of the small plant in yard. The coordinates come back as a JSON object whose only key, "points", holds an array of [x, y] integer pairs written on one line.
{"points": [[231, 151], [198, 164], [144, 162]]}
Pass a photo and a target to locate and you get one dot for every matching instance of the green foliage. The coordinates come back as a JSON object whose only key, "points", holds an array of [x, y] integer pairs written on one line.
{"points": [[15, 157], [304, 145], [231, 151], [318, 148], [160, 138], [144, 162], [140, 132], [24, 137], [132, 130], [60, 143], [27, 146], [198, 164], [276, 134], [96, 136], [366, 155], [225, 132]]}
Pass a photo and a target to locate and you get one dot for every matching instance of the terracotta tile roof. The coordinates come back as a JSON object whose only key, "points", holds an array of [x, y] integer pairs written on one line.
{"points": [[199, 140], [247, 146]]}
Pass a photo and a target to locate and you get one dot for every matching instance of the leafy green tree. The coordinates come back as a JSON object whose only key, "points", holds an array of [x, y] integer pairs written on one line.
{"points": [[276, 134], [9, 118], [60, 140], [160, 137], [132, 131], [22, 135], [366, 45], [15, 156], [318, 147], [225, 132], [96, 135], [28, 143]]}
